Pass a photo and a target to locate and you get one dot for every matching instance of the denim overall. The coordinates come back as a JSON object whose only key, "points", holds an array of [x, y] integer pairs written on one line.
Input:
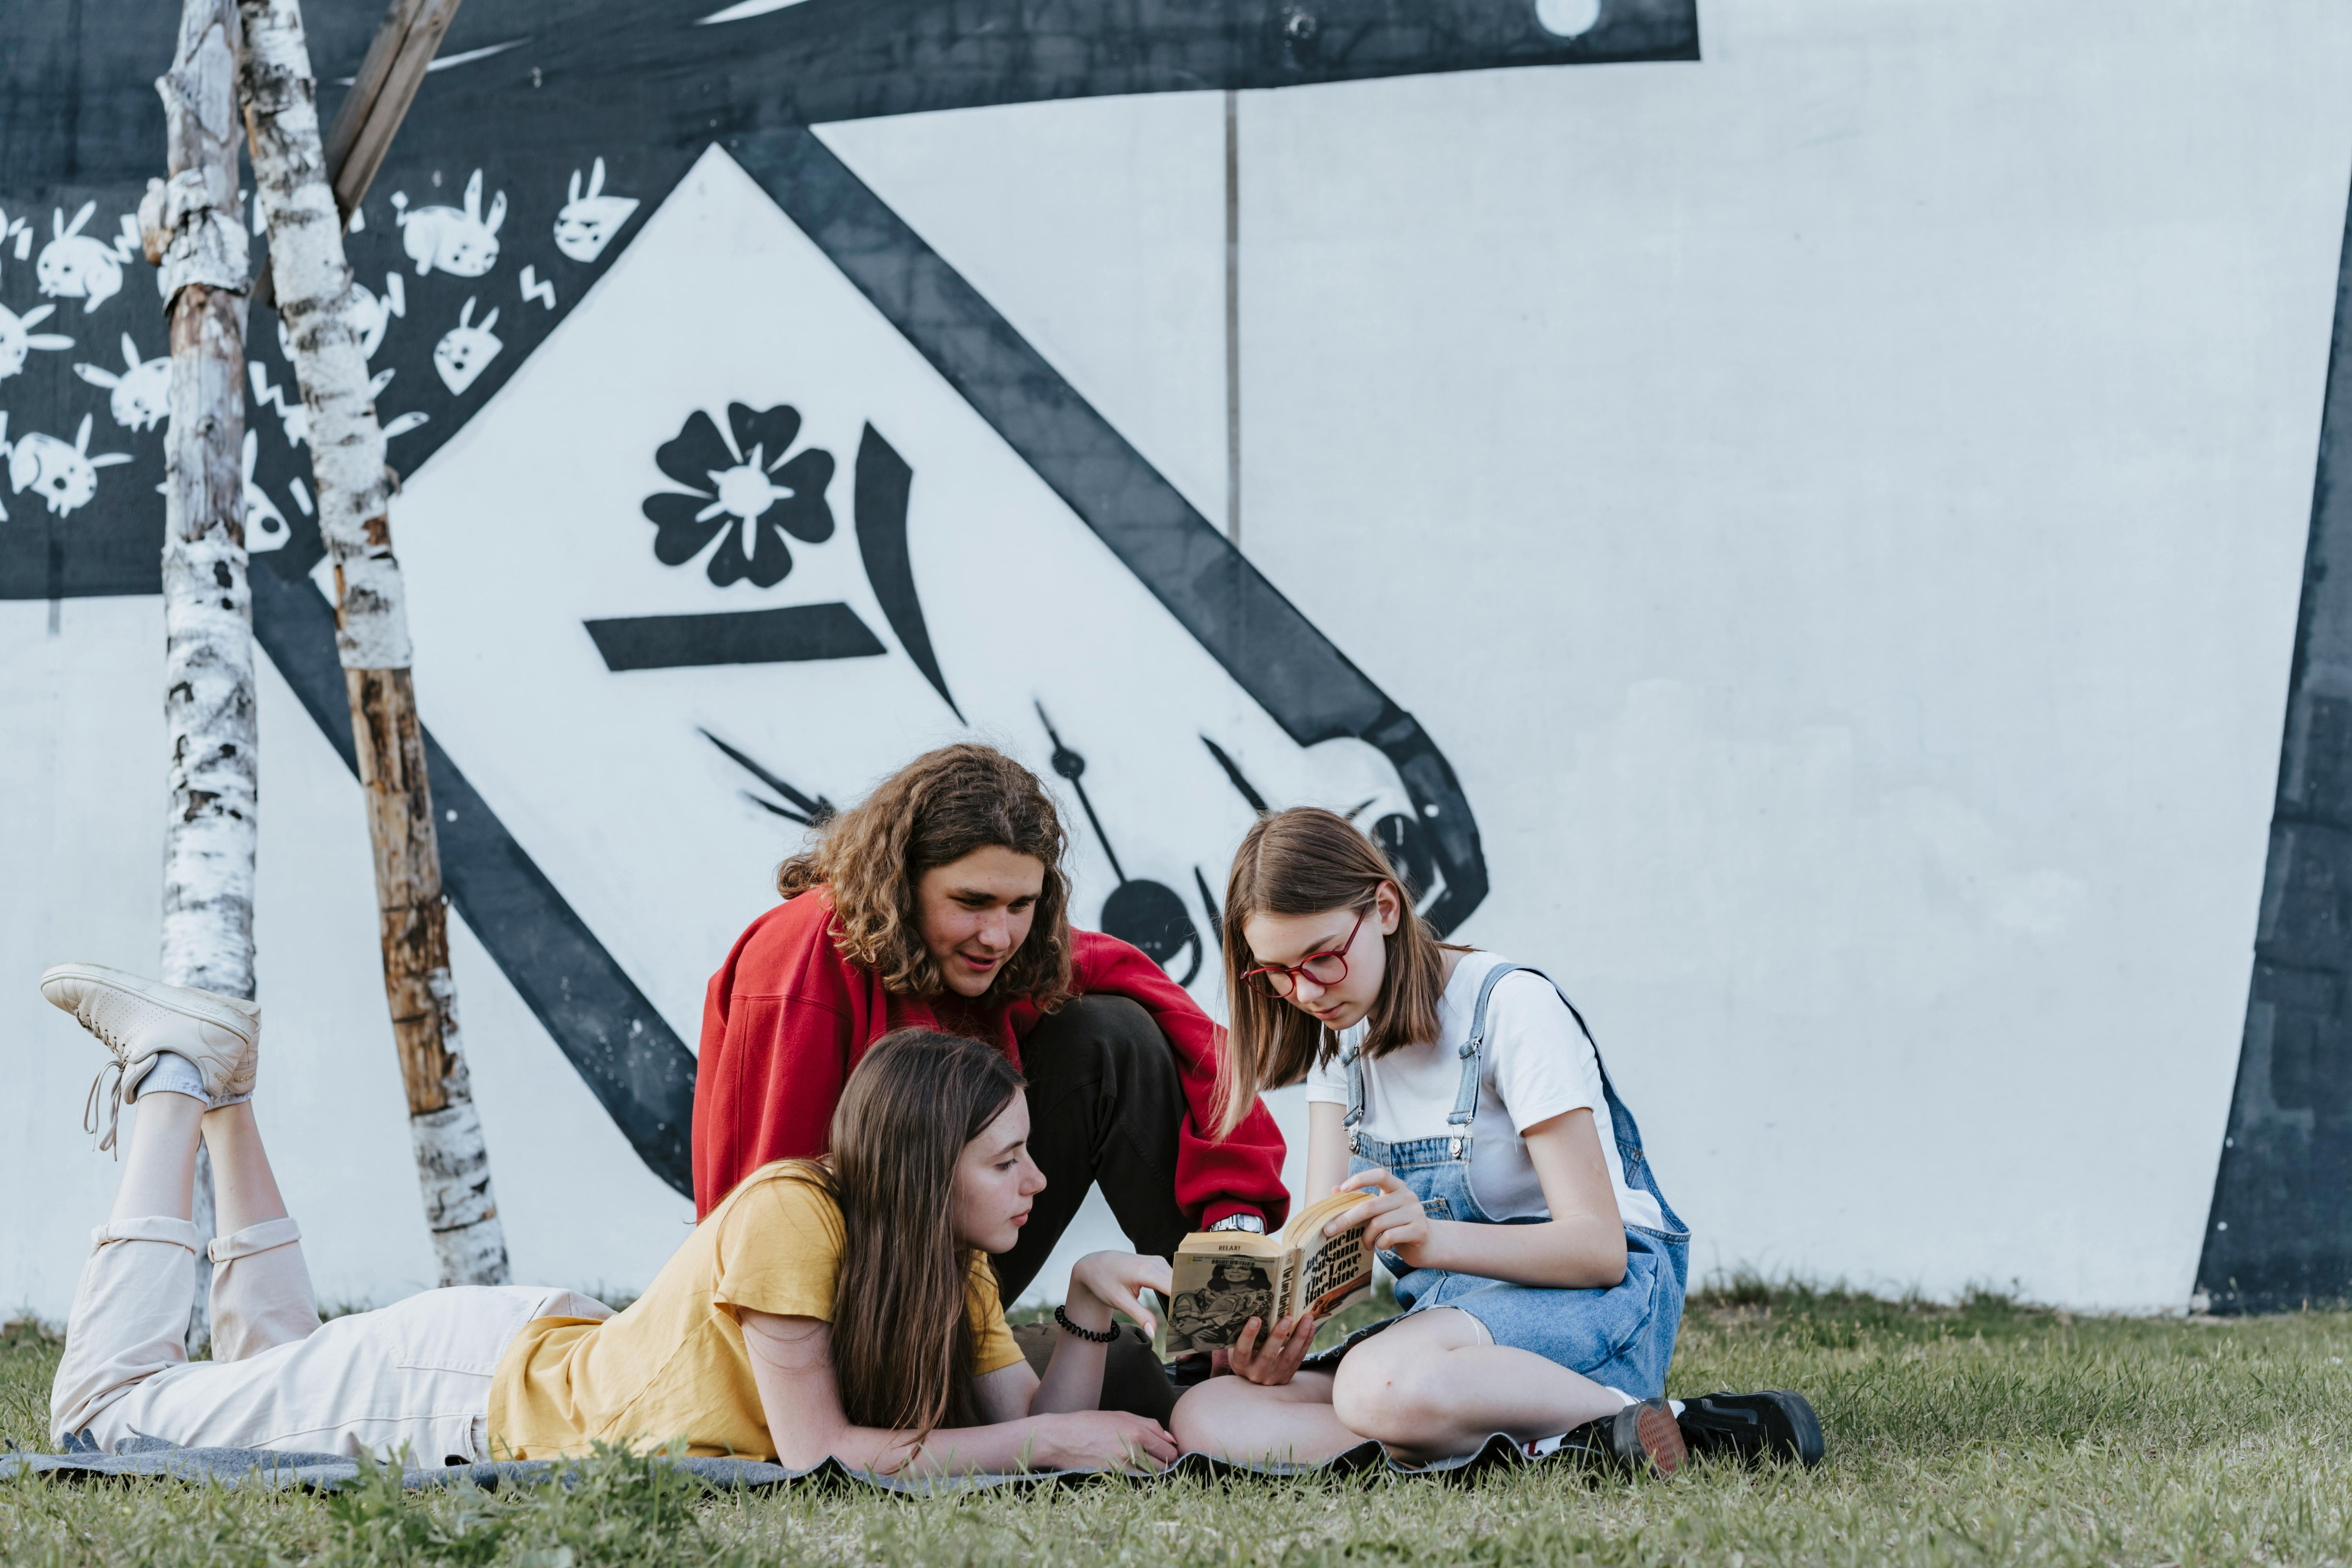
{"points": [[1622, 1337]]}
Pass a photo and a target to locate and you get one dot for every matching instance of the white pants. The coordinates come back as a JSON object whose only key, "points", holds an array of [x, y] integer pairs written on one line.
{"points": [[415, 1375]]}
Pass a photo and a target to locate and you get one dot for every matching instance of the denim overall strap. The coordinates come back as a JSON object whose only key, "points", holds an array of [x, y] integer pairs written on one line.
{"points": [[1474, 1047], [1621, 1335], [1354, 1058], [1629, 1153]]}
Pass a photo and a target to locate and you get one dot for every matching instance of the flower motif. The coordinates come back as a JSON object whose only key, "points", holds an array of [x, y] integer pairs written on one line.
{"points": [[745, 495]]}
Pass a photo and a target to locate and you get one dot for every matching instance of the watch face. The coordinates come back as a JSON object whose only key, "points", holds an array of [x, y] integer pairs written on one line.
{"points": [[723, 492]]}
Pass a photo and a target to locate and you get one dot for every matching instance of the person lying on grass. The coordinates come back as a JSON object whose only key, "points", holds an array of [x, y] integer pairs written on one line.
{"points": [[1539, 1266], [839, 1308]]}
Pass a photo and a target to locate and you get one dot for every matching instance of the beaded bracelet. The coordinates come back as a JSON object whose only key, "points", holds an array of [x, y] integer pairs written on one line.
{"points": [[1089, 1335]]}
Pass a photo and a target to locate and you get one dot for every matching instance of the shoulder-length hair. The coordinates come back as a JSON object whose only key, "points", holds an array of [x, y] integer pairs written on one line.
{"points": [[1304, 861], [934, 811], [903, 1347]]}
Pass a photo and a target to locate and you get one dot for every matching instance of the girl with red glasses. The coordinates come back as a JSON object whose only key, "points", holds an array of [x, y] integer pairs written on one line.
{"points": [[1540, 1268]]}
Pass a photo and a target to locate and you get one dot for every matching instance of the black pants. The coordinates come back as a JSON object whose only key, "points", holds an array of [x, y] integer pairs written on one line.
{"points": [[1105, 1103]]}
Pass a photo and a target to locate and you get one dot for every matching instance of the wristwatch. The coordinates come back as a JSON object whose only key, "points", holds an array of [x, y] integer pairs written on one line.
{"points": [[1248, 1222]]}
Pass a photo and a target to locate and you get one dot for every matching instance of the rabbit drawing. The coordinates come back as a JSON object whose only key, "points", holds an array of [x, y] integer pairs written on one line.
{"points": [[64, 477], [78, 266], [462, 244], [140, 397], [465, 349], [17, 337], [587, 223]]}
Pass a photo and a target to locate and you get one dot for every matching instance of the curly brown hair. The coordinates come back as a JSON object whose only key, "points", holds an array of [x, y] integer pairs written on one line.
{"points": [[934, 811]]}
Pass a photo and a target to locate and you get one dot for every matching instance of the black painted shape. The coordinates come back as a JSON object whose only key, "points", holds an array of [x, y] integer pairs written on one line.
{"points": [[809, 811], [1407, 847], [751, 540], [642, 86], [1138, 910], [1072, 767], [1234, 773], [879, 493], [853, 59], [1209, 902], [1272, 651], [789, 635], [2280, 1233], [625, 1052], [1154, 919]]}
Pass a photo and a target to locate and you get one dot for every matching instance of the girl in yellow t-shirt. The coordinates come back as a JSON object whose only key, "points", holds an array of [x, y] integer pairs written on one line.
{"points": [[840, 1307]]}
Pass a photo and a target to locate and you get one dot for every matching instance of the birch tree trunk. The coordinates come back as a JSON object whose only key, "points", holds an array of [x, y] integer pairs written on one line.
{"points": [[189, 227], [316, 302]]}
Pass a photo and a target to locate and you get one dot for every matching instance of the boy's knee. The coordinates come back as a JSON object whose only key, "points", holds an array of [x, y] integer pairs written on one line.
{"points": [[1117, 1031]]}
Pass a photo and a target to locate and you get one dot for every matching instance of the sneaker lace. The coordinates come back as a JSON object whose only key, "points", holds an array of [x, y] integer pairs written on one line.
{"points": [[114, 1104], [114, 1108]]}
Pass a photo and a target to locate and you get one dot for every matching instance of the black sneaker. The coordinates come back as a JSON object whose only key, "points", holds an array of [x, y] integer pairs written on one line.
{"points": [[1774, 1424], [1641, 1439]]}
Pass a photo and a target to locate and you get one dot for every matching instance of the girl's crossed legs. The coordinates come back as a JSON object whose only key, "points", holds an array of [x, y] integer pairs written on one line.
{"points": [[415, 1375], [1432, 1387]]}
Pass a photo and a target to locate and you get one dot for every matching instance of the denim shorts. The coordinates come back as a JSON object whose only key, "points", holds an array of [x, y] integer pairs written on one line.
{"points": [[1622, 1337]]}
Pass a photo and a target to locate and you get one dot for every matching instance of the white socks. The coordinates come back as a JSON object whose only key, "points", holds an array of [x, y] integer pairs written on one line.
{"points": [[1674, 1404], [176, 1074]]}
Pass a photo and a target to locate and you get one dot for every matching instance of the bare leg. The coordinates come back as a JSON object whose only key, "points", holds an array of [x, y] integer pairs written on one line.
{"points": [[245, 1188], [1429, 1388], [1287, 1423], [159, 1166], [262, 1295], [1433, 1386]]}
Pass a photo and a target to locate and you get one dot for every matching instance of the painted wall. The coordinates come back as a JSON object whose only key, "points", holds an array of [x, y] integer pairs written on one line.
{"points": [[1837, 505]]}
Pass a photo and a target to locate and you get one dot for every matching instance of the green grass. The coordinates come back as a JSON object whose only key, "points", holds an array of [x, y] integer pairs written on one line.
{"points": [[1982, 1432]]}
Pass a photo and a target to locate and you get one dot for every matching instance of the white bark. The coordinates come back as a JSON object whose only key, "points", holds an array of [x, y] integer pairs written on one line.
{"points": [[315, 299], [210, 833], [316, 302]]}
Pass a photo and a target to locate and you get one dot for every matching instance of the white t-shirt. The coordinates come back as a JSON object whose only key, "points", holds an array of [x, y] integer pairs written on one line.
{"points": [[1537, 1065]]}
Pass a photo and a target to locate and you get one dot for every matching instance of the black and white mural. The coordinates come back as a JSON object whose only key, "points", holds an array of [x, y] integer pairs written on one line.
{"points": [[752, 453], [1722, 526]]}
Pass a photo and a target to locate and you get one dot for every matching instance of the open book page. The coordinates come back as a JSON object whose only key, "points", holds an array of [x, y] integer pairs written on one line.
{"points": [[1223, 1278], [1331, 1271]]}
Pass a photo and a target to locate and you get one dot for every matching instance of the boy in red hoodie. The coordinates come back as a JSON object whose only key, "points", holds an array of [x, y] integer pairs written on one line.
{"points": [[939, 902]]}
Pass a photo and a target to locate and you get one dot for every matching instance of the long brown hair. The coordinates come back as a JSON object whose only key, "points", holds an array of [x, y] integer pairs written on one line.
{"points": [[1304, 861], [934, 811], [902, 1338]]}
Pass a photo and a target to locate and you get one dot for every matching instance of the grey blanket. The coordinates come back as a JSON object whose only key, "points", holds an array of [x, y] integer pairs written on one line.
{"points": [[275, 1468]]}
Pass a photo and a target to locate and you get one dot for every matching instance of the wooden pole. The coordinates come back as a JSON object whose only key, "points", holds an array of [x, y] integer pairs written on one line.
{"points": [[316, 302], [189, 227], [403, 50]]}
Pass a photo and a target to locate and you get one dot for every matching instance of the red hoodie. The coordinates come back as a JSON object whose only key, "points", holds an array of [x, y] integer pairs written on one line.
{"points": [[787, 1016]]}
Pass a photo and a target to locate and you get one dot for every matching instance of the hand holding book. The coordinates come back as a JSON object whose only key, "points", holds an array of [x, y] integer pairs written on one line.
{"points": [[1391, 1216], [1270, 1354], [1226, 1281]]}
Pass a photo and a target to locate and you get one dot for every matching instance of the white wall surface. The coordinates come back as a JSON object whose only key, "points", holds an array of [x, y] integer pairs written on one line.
{"points": [[1838, 505]]}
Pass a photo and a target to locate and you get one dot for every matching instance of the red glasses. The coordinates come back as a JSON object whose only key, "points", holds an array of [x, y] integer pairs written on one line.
{"points": [[1326, 969]]}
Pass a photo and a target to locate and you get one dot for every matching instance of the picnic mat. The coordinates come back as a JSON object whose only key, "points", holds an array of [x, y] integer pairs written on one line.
{"points": [[276, 1468]]}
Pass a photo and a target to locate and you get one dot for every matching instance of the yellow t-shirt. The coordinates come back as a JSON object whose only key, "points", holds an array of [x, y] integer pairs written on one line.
{"points": [[674, 1365]]}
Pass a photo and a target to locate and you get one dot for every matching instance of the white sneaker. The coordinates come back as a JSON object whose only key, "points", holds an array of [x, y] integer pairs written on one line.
{"points": [[136, 1017]]}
